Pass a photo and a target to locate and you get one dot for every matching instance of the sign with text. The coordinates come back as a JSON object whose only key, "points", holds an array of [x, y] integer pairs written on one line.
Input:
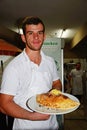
{"points": [[52, 47]]}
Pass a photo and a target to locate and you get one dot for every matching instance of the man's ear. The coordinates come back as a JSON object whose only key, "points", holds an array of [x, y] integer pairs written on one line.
{"points": [[23, 38]]}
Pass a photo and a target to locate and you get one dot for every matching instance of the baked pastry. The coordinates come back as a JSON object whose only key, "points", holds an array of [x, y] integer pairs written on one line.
{"points": [[55, 99]]}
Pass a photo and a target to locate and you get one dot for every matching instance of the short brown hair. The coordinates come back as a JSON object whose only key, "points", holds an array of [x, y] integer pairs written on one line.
{"points": [[32, 20]]}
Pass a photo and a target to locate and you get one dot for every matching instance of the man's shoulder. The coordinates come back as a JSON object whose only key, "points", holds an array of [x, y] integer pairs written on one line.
{"points": [[73, 70], [16, 61]]}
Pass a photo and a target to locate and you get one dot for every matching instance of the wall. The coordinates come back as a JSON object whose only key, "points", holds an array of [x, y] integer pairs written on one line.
{"points": [[83, 61], [6, 59]]}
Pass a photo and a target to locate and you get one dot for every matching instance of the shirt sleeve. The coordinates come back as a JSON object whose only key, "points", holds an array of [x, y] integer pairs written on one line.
{"points": [[9, 81]]}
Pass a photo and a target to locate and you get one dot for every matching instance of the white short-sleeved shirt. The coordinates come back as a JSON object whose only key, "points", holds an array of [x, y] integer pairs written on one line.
{"points": [[23, 79], [77, 86]]}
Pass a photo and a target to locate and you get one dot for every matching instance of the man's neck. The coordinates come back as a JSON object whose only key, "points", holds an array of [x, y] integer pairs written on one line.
{"points": [[34, 56]]}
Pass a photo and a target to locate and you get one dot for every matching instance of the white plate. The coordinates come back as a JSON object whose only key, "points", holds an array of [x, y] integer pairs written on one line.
{"points": [[32, 105]]}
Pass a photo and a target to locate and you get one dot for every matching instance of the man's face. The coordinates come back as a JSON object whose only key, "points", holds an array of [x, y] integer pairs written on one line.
{"points": [[34, 36], [78, 66]]}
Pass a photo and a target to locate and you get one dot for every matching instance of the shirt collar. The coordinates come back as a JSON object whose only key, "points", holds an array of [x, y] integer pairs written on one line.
{"points": [[27, 58]]}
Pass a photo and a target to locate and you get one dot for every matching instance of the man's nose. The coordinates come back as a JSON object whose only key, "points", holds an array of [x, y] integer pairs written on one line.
{"points": [[35, 35]]}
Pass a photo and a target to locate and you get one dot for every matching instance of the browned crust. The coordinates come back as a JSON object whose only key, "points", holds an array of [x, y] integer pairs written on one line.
{"points": [[56, 101]]}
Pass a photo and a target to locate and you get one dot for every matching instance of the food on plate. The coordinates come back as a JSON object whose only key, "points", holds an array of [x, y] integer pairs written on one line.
{"points": [[55, 92], [55, 99]]}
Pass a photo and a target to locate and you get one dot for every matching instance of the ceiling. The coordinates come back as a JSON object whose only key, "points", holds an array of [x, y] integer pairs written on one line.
{"points": [[56, 14]]}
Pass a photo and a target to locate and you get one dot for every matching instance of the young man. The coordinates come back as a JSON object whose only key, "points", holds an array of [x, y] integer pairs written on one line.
{"points": [[76, 75], [28, 74]]}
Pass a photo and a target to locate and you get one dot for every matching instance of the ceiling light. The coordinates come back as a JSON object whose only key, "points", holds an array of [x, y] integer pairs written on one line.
{"points": [[20, 31], [67, 33], [59, 33]]}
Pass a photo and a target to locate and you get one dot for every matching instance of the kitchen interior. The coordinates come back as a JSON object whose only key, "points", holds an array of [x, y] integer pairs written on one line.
{"points": [[68, 15]]}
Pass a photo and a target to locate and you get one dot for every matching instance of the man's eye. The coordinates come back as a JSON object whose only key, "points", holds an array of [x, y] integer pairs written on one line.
{"points": [[29, 33], [40, 32]]}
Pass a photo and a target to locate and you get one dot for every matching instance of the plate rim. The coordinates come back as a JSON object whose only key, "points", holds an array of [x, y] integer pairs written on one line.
{"points": [[33, 109]]}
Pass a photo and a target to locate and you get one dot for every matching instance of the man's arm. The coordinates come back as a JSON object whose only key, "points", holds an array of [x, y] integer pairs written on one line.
{"points": [[9, 107]]}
